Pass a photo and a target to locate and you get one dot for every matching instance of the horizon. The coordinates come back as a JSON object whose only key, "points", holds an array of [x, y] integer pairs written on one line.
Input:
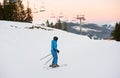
{"points": [[100, 12]]}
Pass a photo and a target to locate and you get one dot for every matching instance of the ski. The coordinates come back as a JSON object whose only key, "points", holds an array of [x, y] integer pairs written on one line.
{"points": [[63, 65]]}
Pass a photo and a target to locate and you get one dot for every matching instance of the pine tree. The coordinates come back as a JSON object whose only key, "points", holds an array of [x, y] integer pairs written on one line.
{"points": [[7, 12], [14, 11], [58, 24], [21, 14], [116, 32], [47, 23], [1, 12], [29, 17], [51, 25]]}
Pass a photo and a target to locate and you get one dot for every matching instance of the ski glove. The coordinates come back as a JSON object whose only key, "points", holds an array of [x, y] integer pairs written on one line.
{"points": [[58, 51]]}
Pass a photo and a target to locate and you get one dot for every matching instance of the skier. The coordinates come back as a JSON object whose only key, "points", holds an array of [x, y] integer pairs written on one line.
{"points": [[54, 52]]}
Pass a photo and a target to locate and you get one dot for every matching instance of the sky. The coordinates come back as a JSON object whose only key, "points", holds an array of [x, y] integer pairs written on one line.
{"points": [[99, 11]]}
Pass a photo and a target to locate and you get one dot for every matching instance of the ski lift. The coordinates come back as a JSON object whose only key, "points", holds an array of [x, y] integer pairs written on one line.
{"points": [[73, 20], [35, 10], [52, 15], [42, 9], [61, 15], [80, 17], [35, 7]]}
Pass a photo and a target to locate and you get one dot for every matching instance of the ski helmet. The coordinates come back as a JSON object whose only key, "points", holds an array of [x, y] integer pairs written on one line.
{"points": [[55, 38]]}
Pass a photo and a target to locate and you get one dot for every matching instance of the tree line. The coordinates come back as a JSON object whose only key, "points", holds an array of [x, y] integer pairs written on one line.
{"points": [[15, 11], [115, 34], [57, 25]]}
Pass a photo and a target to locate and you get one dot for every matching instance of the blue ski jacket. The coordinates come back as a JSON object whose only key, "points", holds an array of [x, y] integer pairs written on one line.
{"points": [[54, 46]]}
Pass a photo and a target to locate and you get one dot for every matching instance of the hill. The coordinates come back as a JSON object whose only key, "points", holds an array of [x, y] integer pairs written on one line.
{"points": [[91, 30], [22, 47]]}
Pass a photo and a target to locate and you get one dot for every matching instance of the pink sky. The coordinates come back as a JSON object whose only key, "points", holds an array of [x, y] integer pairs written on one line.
{"points": [[94, 10]]}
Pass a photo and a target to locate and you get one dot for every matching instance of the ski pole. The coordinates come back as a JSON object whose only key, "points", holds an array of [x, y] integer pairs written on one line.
{"points": [[48, 61], [45, 56]]}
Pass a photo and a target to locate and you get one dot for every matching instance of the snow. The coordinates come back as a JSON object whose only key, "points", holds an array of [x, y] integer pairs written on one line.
{"points": [[84, 29], [21, 50]]}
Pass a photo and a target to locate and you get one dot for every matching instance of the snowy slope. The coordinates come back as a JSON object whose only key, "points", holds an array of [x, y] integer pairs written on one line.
{"points": [[21, 50]]}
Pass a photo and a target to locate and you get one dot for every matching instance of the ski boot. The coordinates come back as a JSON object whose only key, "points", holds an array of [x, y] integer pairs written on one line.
{"points": [[54, 65]]}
